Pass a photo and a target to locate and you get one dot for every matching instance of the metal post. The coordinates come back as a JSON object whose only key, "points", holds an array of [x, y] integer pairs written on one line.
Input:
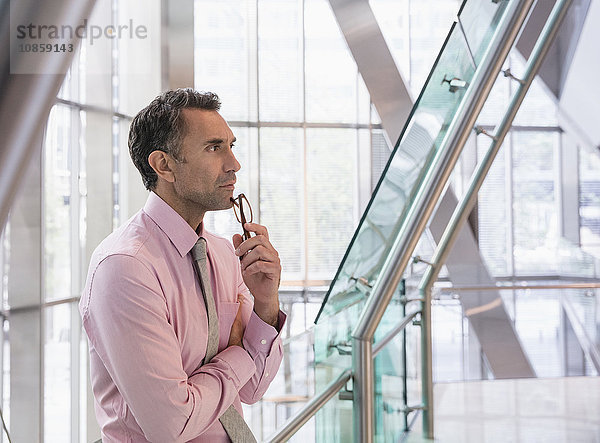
{"points": [[404, 365], [426, 362], [464, 207], [419, 213], [364, 390]]}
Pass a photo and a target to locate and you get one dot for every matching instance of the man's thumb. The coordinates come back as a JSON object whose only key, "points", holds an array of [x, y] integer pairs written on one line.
{"points": [[237, 240], [238, 316]]}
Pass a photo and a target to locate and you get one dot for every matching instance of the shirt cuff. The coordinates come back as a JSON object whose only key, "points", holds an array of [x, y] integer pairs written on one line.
{"points": [[260, 336], [240, 361]]}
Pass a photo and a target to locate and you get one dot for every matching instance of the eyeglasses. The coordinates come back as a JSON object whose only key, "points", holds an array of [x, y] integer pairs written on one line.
{"points": [[241, 207]]}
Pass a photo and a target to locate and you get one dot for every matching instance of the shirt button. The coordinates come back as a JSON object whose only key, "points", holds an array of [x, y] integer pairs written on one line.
{"points": [[263, 342], [267, 374]]}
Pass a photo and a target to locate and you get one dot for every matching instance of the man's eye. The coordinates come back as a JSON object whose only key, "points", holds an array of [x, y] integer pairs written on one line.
{"points": [[214, 147]]}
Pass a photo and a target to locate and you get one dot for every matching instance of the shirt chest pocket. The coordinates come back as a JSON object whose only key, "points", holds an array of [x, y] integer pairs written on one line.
{"points": [[227, 313]]}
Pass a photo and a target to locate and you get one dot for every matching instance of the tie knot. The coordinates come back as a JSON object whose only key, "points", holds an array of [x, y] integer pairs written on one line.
{"points": [[199, 250]]}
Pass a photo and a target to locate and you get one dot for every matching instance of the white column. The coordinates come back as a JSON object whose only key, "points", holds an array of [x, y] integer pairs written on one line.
{"points": [[569, 189], [24, 298]]}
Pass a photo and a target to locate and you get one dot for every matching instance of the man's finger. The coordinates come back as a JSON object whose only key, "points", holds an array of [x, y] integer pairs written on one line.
{"points": [[269, 269], [256, 241], [257, 229], [258, 253], [238, 316]]}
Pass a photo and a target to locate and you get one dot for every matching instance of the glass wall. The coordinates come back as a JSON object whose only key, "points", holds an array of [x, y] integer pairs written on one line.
{"points": [[73, 197], [589, 200], [291, 89], [524, 228], [519, 208], [305, 126]]}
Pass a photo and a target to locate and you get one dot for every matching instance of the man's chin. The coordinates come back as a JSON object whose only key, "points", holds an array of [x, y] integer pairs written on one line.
{"points": [[222, 206]]}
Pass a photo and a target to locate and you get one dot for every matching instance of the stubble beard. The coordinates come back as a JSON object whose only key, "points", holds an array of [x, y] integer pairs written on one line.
{"points": [[212, 201]]}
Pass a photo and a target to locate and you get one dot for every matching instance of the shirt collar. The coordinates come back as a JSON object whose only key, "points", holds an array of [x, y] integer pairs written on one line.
{"points": [[172, 224]]}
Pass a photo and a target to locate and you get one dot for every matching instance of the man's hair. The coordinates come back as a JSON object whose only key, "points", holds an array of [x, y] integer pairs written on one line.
{"points": [[161, 127]]}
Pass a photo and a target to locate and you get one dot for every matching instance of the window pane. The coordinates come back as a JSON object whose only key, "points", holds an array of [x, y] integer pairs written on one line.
{"points": [[138, 75], [492, 211], [331, 197], [280, 60], [380, 154], [534, 202], [221, 53], [496, 104], [331, 73], [364, 102], [281, 194], [392, 17], [57, 204], [589, 200], [537, 109], [57, 373], [429, 24]]}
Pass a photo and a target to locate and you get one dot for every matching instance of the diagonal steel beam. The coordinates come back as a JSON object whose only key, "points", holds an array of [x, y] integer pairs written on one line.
{"points": [[388, 90], [29, 86], [557, 64]]}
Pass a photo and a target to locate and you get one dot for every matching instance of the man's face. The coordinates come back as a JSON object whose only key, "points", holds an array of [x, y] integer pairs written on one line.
{"points": [[205, 174]]}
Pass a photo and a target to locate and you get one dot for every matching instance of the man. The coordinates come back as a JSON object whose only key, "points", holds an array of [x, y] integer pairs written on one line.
{"points": [[144, 307]]}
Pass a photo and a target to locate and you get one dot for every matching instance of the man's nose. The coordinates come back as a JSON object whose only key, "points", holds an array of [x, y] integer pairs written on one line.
{"points": [[232, 164]]}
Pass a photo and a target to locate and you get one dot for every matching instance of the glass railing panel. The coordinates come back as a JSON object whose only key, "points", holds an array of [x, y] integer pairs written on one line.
{"points": [[404, 173], [397, 382], [332, 335], [479, 20], [334, 421], [389, 393], [587, 311], [291, 388], [333, 348]]}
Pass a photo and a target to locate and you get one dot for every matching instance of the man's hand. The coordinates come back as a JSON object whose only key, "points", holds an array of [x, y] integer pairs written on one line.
{"points": [[237, 328], [261, 271]]}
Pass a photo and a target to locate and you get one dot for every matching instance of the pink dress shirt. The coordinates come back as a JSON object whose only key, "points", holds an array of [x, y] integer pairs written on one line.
{"points": [[146, 322]]}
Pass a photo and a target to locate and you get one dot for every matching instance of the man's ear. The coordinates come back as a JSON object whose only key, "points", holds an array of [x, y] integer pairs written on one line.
{"points": [[162, 163]]}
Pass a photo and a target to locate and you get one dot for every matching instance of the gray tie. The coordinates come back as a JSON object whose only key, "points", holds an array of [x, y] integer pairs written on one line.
{"points": [[233, 423]]}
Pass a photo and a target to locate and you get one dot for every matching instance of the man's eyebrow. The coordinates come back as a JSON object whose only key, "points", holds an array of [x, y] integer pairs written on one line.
{"points": [[214, 141], [218, 141]]}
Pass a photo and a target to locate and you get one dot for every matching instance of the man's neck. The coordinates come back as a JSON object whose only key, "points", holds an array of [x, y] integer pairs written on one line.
{"points": [[193, 218]]}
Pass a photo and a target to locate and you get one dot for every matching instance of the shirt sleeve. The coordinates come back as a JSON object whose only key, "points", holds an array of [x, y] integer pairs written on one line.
{"points": [[263, 343], [127, 321]]}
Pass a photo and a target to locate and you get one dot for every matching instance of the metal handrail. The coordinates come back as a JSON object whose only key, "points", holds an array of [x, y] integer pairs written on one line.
{"points": [[310, 408], [377, 347], [517, 287], [414, 224]]}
